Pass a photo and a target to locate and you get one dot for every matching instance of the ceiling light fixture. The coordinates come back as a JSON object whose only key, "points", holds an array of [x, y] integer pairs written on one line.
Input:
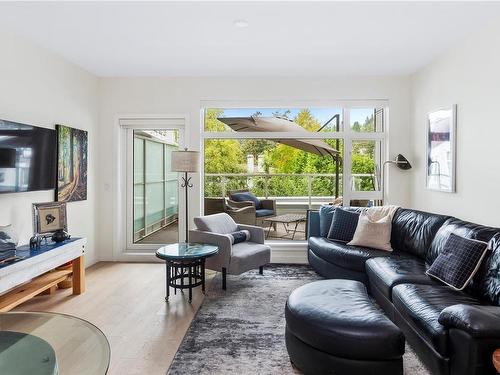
{"points": [[240, 23]]}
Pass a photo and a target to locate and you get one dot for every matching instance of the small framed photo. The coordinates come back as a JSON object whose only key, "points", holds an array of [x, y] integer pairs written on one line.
{"points": [[49, 217], [441, 149]]}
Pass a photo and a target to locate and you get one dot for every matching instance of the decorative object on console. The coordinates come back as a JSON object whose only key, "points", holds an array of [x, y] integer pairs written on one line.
{"points": [[441, 149], [186, 162], [344, 225], [49, 221], [60, 236], [458, 262], [72, 145], [8, 243]]}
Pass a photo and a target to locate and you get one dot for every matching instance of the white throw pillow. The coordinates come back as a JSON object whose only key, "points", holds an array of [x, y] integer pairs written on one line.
{"points": [[374, 234]]}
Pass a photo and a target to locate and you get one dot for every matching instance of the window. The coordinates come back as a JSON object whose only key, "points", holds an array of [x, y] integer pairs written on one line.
{"points": [[298, 157]]}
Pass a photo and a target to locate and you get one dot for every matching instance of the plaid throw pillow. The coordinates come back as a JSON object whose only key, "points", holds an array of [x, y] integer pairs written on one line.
{"points": [[458, 262], [343, 226]]}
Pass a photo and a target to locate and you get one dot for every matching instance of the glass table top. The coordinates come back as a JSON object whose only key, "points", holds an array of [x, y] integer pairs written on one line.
{"points": [[185, 251], [56, 343]]}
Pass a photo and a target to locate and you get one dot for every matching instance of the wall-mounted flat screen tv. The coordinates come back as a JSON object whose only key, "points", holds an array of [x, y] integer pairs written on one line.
{"points": [[27, 157]]}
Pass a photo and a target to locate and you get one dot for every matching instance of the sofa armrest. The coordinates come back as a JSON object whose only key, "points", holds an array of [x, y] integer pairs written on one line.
{"points": [[256, 233], [222, 241], [478, 321], [269, 204], [235, 204]]}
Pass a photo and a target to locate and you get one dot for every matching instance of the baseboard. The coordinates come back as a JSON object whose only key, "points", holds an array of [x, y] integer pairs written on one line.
{"points": [[292, 253], [291, 256]]}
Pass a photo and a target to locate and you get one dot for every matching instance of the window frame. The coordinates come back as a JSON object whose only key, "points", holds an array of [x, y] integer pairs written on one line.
{"points": [[346, 134]]}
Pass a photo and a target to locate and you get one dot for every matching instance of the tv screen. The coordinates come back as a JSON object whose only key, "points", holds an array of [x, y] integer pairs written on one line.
{"points": [[27, 157]]}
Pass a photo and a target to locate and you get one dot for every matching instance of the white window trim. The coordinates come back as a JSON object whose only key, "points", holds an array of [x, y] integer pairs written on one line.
{"points": [[346, 134]]}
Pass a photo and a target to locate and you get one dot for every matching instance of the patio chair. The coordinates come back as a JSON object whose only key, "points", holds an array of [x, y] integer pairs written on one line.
{"points": [[264, 208], [234, 257]]}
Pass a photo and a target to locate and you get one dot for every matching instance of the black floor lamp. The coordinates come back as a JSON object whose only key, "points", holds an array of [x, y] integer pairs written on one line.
{"points": [[186, 162]]}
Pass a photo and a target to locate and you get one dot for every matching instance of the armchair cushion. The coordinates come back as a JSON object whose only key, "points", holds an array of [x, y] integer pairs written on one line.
{"points": [[218, 223], [263, 212], [248, 255], [246, 196], [477, 321]]}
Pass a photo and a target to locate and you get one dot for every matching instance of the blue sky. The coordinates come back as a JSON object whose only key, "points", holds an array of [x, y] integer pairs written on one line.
{"points": [[322, 114]]}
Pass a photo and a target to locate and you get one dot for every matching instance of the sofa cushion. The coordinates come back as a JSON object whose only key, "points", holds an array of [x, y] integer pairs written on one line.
{"points": [[385, 273], [217, 223], [264, 212], [420, 306], [344, 225], [343, 255], [246, 196], [413, 231], [325, 219]]}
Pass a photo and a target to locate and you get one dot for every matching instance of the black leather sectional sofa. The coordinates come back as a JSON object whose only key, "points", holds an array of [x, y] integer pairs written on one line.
{"points": [[452, 332]]}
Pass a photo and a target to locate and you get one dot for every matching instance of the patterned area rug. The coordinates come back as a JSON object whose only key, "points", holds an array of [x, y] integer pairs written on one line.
{"points": [[241, 330]]}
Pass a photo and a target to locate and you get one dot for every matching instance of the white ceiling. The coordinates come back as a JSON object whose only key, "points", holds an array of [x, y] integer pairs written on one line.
{"points": [[293, 38]]}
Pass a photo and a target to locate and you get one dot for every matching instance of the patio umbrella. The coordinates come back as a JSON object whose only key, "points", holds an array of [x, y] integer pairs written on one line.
{"points": [[280, 124], [284, 125]]}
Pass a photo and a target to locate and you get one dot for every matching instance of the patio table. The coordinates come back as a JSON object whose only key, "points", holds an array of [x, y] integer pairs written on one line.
{"points": [[285, 219]]}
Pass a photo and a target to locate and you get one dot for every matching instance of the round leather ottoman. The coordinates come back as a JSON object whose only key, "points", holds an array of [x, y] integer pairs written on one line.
{"points": [[332, 327]]}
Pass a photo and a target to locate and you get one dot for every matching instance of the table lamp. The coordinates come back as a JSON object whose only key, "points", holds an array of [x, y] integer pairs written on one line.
{"points": [[186, 162]]}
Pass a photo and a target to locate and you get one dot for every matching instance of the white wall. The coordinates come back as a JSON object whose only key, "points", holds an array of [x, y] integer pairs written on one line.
{"points": [[467, 75], [140, 96], [39, 88]]}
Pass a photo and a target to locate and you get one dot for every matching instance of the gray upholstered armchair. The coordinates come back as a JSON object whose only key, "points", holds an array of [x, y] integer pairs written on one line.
{"points": [[233, 258]]}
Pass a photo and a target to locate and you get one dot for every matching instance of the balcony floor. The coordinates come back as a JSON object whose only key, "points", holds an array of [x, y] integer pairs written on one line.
{"points": [[168, 234]]}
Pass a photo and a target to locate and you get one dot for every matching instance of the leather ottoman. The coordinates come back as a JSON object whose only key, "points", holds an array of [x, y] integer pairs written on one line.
{"points": [[332, 327]]}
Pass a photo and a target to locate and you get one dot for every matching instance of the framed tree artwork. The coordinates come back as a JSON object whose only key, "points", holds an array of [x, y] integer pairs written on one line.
{"points": [[72, 147], [441, 149]]}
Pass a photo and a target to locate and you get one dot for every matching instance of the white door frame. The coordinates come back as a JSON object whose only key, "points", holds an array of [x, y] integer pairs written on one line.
{"points": [[124, 248]]}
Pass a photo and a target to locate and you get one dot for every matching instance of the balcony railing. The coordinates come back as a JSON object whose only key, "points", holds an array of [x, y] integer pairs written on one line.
{"points": [[305, 188]]}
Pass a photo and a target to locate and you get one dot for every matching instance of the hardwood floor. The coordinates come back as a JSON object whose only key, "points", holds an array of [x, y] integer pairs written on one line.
{"points": [[126, 301]]}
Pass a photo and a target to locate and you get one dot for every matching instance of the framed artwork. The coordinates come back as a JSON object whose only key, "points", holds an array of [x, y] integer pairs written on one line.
{"points": [[49, 217], [72, 145], [441, 149]]}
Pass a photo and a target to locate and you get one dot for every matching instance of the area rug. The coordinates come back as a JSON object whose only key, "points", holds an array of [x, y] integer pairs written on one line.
{"points": [[242, 330]]}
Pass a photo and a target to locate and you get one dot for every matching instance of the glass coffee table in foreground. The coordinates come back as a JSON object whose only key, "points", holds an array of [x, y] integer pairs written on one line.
{"points": [[50, 344], [185, 265]]}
